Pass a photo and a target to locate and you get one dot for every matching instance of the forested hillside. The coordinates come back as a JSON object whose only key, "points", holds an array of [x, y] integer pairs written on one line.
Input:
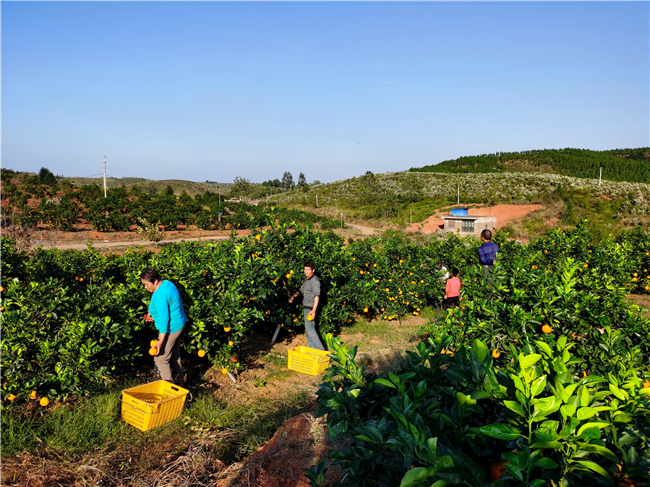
{"points": [[618, 165]]}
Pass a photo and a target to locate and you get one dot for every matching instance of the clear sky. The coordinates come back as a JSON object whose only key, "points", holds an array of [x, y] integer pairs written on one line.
{"points": [[214, 90]]}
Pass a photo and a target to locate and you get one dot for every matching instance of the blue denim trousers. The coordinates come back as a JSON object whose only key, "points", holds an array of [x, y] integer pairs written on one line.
{"points": [[313, 340]]}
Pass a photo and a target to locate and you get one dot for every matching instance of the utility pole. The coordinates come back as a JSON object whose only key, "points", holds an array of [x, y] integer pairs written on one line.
{"points": [[600, 177], [104, 162], [458, 196]]}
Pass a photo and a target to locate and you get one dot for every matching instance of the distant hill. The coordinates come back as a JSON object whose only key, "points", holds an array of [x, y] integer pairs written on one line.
{"points": [[631, 165], [190, 187]]}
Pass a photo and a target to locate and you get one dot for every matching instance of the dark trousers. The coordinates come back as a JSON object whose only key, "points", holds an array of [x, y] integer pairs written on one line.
{"points": [[450, 302]]}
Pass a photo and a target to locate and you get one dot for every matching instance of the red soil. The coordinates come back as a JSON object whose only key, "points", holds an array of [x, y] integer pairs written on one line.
{"points": [[505, 214]]}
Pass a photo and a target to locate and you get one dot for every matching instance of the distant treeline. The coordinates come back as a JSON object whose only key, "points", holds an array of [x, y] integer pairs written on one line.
{"points": [[618, 165]]}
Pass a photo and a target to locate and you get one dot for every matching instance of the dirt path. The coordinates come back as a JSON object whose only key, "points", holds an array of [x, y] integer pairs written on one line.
{"points": [[365, 231], [108, 244], [505, 214], [107, 241]]}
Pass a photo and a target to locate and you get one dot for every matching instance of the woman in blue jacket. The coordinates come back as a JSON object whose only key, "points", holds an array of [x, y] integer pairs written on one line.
{"points": [[167, 313]]}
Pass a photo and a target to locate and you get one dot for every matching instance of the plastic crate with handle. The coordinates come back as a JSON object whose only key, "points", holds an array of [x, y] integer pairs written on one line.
{"points": [[153, 404], [308, 360]]}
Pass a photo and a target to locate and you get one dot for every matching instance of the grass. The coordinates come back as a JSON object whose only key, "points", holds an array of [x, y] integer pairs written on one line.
{"points": [[94, 424], [381, 330]]}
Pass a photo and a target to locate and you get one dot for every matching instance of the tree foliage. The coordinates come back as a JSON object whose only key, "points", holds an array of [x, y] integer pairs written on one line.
{"points": [[618, 165]]}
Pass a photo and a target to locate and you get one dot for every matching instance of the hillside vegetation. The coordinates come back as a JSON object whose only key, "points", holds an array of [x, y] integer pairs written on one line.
{"points": [[396, 197], [631, 165]]}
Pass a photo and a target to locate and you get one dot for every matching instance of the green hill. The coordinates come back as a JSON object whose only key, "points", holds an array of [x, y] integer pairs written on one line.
{"points": [[631, 165]]}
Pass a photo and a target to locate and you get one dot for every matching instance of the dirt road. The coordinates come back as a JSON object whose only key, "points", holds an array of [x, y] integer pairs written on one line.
{"points": [[108, 244]]}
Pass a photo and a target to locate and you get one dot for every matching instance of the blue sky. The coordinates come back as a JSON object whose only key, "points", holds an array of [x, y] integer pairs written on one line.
{"points": [[215, 90]]}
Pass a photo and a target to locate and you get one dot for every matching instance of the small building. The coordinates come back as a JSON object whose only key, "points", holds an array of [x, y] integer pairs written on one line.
{"points": [[469, 225]]}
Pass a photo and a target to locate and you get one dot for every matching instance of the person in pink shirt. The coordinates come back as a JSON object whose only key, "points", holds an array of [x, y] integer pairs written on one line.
{"points": [[452, 290]]}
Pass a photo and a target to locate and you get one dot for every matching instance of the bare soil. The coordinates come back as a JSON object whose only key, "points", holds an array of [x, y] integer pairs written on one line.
{"points": [[505, 214]]}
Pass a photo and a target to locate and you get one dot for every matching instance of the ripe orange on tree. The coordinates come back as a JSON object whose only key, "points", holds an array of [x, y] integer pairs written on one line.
{"points": [[547, 329], [496, 470], [32, 395], [496, 353], [224, 371], [201, 353]]}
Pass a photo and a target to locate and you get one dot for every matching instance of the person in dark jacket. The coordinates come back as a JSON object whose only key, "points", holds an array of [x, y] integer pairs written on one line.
{"points": [[487, 252]]}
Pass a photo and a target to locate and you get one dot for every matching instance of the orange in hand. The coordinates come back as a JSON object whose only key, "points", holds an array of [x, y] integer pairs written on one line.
{"points": [[153, 351]]}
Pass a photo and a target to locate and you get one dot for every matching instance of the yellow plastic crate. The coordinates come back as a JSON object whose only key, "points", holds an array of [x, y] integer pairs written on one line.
{"points": [[153, 404], [308, 360]]}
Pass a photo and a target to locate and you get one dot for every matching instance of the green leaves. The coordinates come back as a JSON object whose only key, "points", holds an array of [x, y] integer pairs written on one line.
{"points": [[501, 431], [526, 361]]}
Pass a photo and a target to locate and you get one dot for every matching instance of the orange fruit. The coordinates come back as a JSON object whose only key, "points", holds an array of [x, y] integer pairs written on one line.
{"points": [[226, 329], [231, 343], [152, 343], [32, 395], [201, 353], [547, 329], [44, 401], [310, 317], [496, 470], [153, 351], [365, 310], [11, 397], [2, 289], [646, 384], [496, 353], [585, 266], [224, 371]]}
